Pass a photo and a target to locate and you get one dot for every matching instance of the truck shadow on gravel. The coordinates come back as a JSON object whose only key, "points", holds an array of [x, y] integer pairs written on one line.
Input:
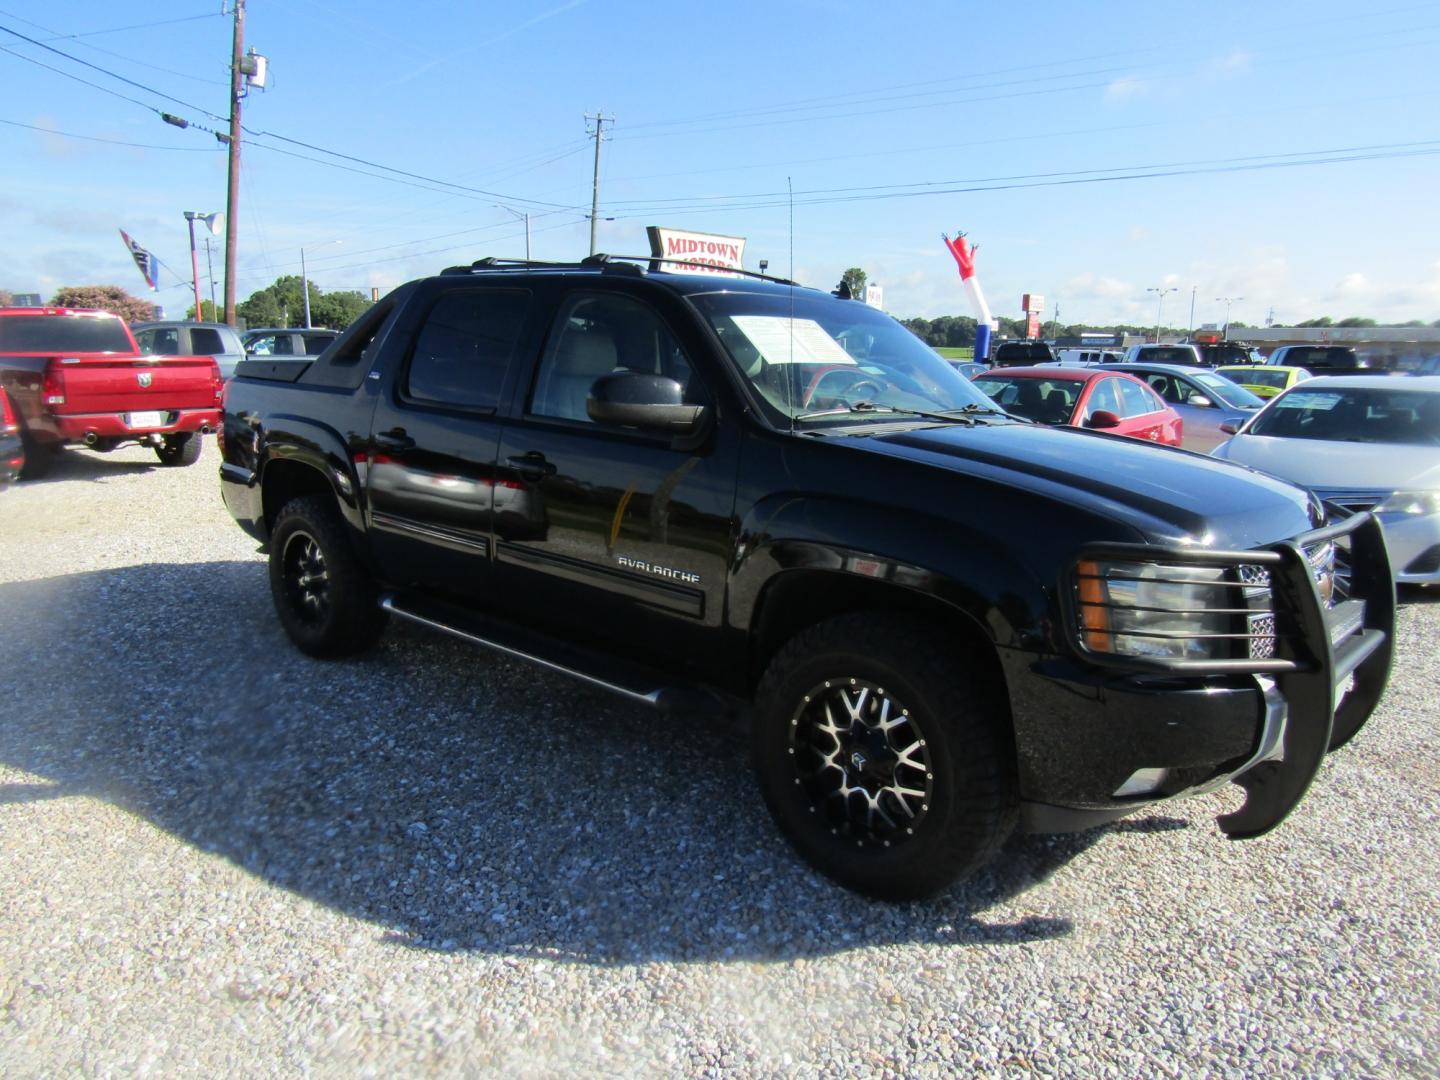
{"points": [[89, 465], [456, 800]]}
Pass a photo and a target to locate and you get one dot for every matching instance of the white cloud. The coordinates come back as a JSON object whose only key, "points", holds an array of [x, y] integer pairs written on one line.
{"points": [[1124, 88]]}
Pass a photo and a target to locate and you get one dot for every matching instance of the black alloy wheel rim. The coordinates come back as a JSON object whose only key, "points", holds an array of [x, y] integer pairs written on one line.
{"points": [[307, 582], [862, 762]]}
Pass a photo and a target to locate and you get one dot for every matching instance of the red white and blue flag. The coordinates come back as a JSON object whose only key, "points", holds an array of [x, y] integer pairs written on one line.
{"points": [[147, 262]]}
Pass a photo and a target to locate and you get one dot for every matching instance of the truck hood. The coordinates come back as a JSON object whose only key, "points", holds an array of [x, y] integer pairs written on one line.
{"points": [[1168, 496]]}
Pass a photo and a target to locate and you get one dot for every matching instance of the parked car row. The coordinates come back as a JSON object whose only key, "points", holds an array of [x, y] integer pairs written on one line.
{"points": [[224, 344]]}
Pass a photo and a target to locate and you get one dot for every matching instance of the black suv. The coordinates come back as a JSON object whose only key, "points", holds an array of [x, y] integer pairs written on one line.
{"points": [[1021, 354], [702, 491]]}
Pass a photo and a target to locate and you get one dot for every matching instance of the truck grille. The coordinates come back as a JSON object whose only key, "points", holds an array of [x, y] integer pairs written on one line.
{"points": [[1326, 569]]}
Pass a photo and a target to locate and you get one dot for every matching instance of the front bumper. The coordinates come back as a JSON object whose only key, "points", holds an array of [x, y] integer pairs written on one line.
{"points": [[1087, 727]]}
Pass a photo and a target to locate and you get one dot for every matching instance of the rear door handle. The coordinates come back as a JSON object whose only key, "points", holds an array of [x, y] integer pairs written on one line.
{"points": [[532, 465], [394, 439]]}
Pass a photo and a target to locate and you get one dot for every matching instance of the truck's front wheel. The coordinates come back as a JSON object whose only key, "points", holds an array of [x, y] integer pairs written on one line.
{"points": [[325, 598], [883, 755]]}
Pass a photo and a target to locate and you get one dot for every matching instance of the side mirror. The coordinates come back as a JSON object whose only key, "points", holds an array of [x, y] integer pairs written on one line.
{"points": [[1102, 418], [649, 402], [1200, 401], [1229, 427]]}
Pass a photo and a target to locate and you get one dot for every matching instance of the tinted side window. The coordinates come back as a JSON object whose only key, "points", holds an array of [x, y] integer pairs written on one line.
{"points": [[465, 347], [1136, 400], [315, 344], [205, 341], [159, 342], [1104, 396], [595, 335]]}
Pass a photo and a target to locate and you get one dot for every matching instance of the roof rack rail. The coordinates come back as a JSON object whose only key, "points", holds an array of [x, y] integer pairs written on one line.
{"points": [[605, 263]]}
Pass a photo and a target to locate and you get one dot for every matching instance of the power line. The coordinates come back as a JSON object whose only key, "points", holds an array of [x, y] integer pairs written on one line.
{"points": [[1073, 180], [107, 71], [108, 52], [117, 142], [121, 29]]}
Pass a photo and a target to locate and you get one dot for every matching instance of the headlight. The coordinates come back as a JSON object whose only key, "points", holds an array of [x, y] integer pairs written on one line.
{"points": [[1159, 611], [1411, 502]]}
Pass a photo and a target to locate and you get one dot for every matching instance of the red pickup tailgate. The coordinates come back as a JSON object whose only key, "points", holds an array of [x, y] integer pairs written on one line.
{"points": [[127, 384]]}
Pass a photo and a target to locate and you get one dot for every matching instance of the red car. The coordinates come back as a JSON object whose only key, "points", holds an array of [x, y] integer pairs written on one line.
{"points": [[1102, 400]]}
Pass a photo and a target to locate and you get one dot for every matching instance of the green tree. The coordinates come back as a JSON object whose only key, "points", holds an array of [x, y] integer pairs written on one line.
{"points": [[1323, 321], [854, 279], [337, 310], [111, 298], [1355, 320], [207, 311]]}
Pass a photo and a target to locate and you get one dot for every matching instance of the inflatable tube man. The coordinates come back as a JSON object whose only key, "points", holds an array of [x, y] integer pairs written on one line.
{"points": [[965, 259]]}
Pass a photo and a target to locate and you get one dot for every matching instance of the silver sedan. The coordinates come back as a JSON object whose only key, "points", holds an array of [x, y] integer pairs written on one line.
{"points": [[1360, 442], [1203, 399]]}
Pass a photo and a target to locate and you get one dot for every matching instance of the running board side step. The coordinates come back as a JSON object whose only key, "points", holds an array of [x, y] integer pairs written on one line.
{"points": [[620, 677]]}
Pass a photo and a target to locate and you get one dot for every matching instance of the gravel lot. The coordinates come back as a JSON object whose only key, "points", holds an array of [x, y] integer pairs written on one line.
{"points": [[220, 857]]}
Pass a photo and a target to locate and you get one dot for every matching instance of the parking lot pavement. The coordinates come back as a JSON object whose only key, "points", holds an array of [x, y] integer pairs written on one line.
{"points": [[218, 856]]}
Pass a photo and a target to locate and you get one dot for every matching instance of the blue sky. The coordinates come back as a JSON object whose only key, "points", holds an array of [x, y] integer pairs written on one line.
{"points": [[718, 108]]}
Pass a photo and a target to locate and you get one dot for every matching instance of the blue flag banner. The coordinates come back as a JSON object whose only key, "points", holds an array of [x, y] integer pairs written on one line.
{"points": [[149, 265]]}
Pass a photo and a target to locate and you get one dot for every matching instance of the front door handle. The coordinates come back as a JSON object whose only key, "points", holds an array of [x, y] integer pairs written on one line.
{"points": [[531, 465], [394, 439]]}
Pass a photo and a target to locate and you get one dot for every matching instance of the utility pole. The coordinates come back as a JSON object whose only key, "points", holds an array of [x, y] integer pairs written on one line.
{"points": [[595, 189], [232, 197], [1192, 312]]}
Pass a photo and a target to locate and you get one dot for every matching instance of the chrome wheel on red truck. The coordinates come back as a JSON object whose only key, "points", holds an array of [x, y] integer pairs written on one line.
{"points": [[323, 594]]}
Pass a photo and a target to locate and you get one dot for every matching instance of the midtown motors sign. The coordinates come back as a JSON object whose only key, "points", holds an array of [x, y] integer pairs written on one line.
{"points": [[705, 253]]}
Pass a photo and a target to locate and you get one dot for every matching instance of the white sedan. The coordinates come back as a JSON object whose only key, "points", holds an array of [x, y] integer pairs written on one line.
{"points": [[1360, 442]]}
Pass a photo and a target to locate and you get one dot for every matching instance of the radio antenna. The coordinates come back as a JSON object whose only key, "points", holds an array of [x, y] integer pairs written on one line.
{"points": [[790, 368]]}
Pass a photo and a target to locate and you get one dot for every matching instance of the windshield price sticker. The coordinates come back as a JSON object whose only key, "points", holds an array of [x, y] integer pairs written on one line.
{"points": [[1317, 402], [792, 341]]}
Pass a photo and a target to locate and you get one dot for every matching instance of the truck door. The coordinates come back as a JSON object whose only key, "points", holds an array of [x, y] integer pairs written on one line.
{"points": [[430, 476], [610, 532]]}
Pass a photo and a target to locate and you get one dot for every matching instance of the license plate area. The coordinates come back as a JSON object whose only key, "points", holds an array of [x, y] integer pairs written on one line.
{"points": [[146, 420]]}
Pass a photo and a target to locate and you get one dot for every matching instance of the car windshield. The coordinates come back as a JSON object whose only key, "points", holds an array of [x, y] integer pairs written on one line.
{"points": [[63, 334], [1276, 377], [1048, 400], [1351, 414], [1227, 392], [806, 355]]}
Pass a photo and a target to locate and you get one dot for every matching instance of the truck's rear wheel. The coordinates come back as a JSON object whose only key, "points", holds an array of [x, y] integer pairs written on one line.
{"points": [[883, 755], [182, 449], [325, 598]]}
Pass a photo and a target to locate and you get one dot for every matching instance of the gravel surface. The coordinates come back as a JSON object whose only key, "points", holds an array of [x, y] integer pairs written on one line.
{"points": [[218, 857]]}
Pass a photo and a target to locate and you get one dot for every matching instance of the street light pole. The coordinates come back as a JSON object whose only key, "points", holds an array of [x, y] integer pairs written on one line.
{"points": [[1227, 301], [190, 216], [1159, 306], [305, 288], [1193, 288], [524, 217]]}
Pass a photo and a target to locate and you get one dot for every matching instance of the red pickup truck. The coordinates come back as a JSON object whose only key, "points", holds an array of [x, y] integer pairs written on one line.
{"points": [[77, 377]]}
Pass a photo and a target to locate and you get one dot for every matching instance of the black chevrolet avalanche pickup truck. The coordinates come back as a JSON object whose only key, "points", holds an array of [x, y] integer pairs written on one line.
{"points": [[704, 491]]}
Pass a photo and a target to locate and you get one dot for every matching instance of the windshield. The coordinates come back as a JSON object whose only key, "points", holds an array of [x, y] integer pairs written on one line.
{"points": [[63, 334], [1400, 417], [1227, 392], [1275, 377], [809, 354]]}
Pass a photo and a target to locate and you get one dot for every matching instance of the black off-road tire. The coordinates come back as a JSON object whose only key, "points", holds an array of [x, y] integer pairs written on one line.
{"points": [[184, 449], [39, 457], [956, 738], [324, 595]]}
